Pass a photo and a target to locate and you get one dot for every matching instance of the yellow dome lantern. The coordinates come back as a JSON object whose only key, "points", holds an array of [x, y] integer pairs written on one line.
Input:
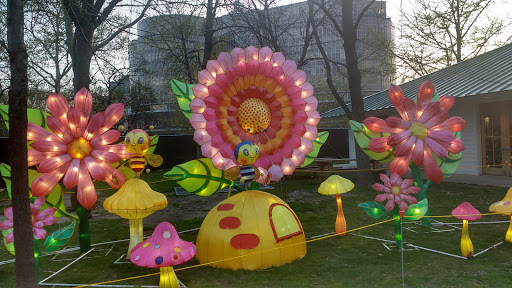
{"points": [[504, 207], [251, 230], [134, 201]]}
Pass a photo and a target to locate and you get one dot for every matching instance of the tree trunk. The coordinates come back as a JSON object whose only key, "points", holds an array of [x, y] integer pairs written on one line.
{"points": [[364, 177], [18, 59], [208, 32], [83, 56]]}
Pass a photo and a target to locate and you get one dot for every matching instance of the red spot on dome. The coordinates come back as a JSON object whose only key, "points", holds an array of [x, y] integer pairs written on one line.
{"points": [[245, 241], [229, 223], [225, 207]]}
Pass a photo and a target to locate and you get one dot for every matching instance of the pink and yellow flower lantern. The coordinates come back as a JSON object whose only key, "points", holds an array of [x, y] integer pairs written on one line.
{"points": [[423, 135], [259, 96], [77, 149]]}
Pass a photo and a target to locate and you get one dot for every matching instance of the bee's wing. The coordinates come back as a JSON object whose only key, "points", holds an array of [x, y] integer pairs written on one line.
{"points": [[232, 173], [154, 160]]}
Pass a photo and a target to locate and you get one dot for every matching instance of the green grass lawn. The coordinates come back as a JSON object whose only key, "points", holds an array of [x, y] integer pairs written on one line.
{"points": [[348, 261]]}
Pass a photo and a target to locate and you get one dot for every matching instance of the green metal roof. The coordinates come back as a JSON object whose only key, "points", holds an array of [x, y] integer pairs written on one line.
{"points": [[486, 73]]}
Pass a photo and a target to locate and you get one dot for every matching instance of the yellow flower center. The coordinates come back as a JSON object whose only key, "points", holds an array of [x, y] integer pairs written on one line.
{"points": [[418, 130], [254, 115], [395, 190], [79, 148]]}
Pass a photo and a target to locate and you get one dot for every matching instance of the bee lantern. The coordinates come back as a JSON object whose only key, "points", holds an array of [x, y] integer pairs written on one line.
{"points": [[246, 153], [138, 142]]}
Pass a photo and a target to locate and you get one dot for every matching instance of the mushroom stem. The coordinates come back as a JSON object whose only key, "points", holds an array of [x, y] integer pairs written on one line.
{"points": [[341, 224], [508, 236], [168, 278], [466, 246], [135, 234]]}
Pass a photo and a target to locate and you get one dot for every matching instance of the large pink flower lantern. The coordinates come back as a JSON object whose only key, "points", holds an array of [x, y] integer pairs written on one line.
{"points": [[255, 95], [78, 148], [423, 131]]}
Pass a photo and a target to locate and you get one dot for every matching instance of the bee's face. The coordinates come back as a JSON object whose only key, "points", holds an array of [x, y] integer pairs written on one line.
{"points": [[248, 153], [137, 141]]}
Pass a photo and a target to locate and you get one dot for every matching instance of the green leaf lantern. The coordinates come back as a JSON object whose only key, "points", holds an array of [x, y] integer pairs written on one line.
{"points": [[54, 199], [199, 177], [418, 210], [184, 95], [59, 238], [363, 136], [376, 210], [8, 246], [317, 144]]}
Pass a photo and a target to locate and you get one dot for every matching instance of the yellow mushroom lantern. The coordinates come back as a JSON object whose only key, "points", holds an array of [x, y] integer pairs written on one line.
{"points": [[504, 207], [134, 201], [336, 185]]}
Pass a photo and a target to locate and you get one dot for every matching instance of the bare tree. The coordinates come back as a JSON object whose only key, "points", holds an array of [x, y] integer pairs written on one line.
{"points": [[24, 243], [348, 31], [440, 33], [87, 16]]}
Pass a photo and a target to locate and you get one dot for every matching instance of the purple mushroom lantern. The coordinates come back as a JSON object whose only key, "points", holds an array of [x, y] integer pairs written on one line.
{"points": [[466, 212], [163, 249]]}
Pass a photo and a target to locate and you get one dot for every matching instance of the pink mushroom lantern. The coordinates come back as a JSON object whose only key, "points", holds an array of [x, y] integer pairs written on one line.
{"points": [[466, 212], [163, 249]]}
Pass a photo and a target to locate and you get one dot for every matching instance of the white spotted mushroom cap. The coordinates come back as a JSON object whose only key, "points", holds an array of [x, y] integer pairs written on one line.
{"points": [[164, 248]]}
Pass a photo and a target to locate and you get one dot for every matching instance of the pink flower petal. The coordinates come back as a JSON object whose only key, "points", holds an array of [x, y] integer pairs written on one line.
{"points": [[289, 67], [378, 125], [94, 125], [384, 178], [225, 60], [381, 188], [456, 146], [112, 114], [437, 119], [237, 54], [306, 146], [405, 147], [390, 205], [204, 77], [298, 157], [407, 183], [58, 106], [403, 206], [59, 129], [253, 67], [410, 110], [265, 69], [398, 138], [425, 93], [275, 173], [381, 197], [300, 77], [379, 144], [45, 182], [436, 148], [36, 132], [105, 156], [71, 177], [106, 138], [277, 59], [397, 99], [287, 167], [73, 117], [265, 54], [430, 111], [39, 233], [277, 158], [411, 190], [53, 163], [36, 206], [118, 149], [214, 67], [83, 103], [441, 135], [447, 102], [200, 91], [9, 238], [47, 146], [86, 194], [417, 153], [8, 213], [307, 90], [453, 124], [399, 165], [409, 198], [35, 157], [311, 103], [395, 180], [432, 170], [95, 169], [114, 177], [396, 122], [49, 219], [6, 224]]}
